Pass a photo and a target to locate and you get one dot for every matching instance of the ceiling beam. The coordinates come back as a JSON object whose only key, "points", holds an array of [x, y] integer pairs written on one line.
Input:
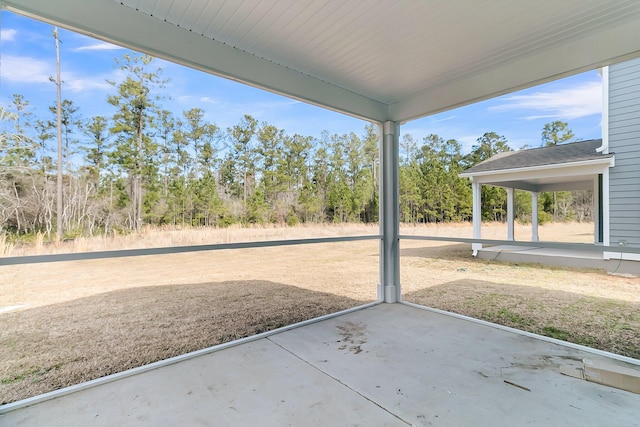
{"points": [[584, 53], [518, 185], [586, 184]]}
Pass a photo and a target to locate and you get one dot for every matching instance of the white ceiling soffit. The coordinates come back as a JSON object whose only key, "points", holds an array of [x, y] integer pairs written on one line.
{"points": [[377, 60]]}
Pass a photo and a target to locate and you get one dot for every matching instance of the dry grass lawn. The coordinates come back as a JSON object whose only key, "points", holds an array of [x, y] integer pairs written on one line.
{"points": [[68, 322]]}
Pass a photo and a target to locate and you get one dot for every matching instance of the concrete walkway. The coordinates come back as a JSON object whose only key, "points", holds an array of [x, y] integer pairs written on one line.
{"points": [[388, 365]]}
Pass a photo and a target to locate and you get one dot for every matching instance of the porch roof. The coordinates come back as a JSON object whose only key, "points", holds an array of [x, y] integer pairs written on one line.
{"points": [[382, 61], [572, 166]]}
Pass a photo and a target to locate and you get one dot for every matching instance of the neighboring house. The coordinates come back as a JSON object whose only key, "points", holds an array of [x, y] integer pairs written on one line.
{"points": [[610, 167]]}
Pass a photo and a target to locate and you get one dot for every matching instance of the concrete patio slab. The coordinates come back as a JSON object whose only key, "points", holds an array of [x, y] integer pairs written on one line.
{"points": [[391, 364], [560, 257], [433, 369], [255, 384]]}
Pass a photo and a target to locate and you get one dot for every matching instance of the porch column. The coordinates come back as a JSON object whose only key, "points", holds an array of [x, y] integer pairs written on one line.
{"points": [[476, 192], [596, 210], [389, 288], [510, 214], [606, 232], [534, 216]]}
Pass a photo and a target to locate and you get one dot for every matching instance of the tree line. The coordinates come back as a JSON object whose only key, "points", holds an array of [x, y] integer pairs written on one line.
{"points": [[147, 165]]}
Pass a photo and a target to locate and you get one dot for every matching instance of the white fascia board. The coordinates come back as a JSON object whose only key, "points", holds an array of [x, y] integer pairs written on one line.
{"points": [[582, 53], [112, 22], [564, 169], [604, 148], [540, 188], [567, 186]]}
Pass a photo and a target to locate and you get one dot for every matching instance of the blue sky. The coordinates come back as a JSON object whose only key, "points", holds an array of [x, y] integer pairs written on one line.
{"points": [[28, 60]]}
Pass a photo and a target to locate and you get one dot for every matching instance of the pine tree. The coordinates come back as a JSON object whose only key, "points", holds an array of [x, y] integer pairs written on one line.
{"points": [[269, 150], [242, 160], [556, 132], [135, 149], [96, 152], [494, 199], [44, 134], [71, 122]]}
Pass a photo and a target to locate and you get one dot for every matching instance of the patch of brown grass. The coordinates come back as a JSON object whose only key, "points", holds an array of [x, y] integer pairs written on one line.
{"points": [[584, 306], [602, 323], [54, 346]]}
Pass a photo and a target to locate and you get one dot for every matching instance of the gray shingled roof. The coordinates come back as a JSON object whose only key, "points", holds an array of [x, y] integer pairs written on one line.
{"points": [[553, 155]]}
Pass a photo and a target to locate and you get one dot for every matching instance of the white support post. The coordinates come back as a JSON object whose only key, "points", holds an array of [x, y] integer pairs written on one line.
{"points": [[389, 288], [534, 217], [510, 214], [476, 192], [595, 209], [606, 235]]}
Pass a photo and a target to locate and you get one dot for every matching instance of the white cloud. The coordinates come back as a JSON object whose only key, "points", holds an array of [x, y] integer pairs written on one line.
{"points": [[26, 70], [208, 100], [569, 103], [265, 110], [285, 103], [23, 69], [8, 35], [443, 119], [76, 83], [183, 98], [97, 46]]}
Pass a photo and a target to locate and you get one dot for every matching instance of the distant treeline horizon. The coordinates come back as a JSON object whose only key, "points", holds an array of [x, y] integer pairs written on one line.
{"points": [[147, 165]]}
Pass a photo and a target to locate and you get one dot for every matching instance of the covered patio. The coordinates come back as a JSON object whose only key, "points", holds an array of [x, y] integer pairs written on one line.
{"points": [[573, 166], [389, 364], [385, 365], [582, 165]]}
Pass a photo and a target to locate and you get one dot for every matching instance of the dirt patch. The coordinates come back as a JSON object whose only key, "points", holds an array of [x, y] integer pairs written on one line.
{"points": [[353, 337]]}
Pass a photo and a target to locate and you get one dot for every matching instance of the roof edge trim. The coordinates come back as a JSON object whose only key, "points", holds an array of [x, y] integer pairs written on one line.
{"points": [[607, 162]]}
